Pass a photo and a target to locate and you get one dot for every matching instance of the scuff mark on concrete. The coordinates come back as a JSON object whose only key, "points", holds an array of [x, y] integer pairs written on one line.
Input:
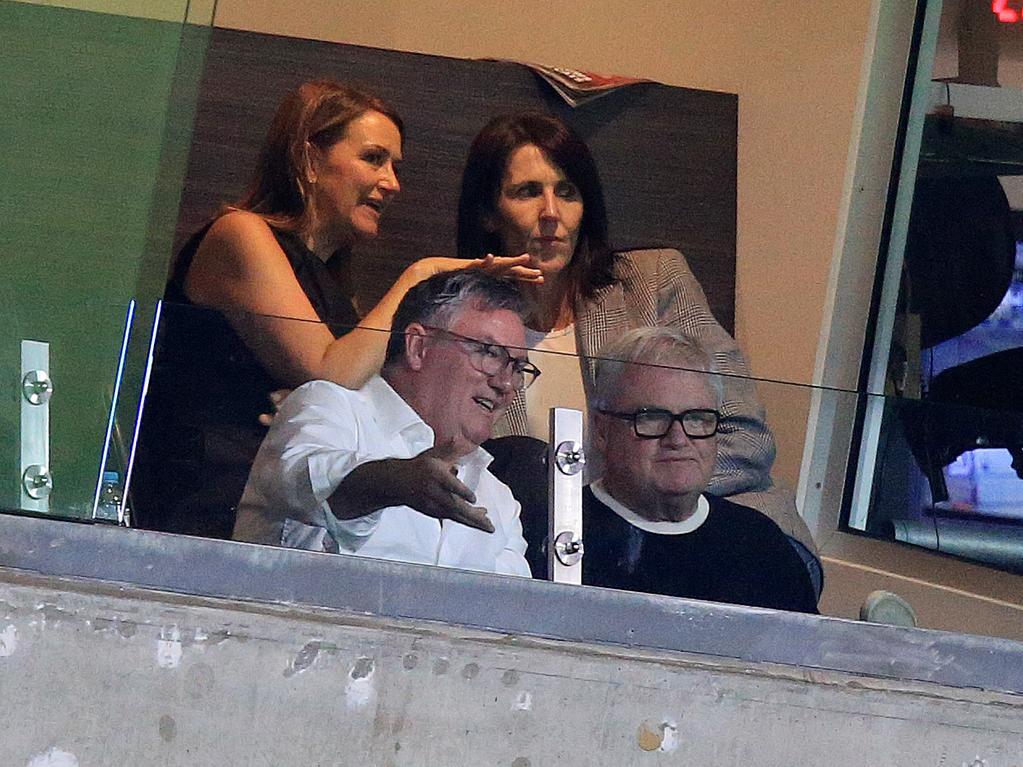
{"points": [[441, 666], [658, 737], [199, 680], [305, 658], [360, 690], [662, 737], [8, 641], [510, 678], [53, 614], [54, 758], [520, 761], [168, 647], [217, 637], [124, 629], [363, 668], [409, 661], [168, 728], [471, 671]]}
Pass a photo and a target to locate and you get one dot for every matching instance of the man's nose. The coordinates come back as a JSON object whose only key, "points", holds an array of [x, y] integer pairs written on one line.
{"points": [[503, 380], [676, 436]]}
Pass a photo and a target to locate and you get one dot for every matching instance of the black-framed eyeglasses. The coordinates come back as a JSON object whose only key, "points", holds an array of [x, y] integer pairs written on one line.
{"points": [[654, 423], [493, 359]]}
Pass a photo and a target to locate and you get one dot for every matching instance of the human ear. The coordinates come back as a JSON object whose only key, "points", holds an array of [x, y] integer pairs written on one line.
{"points": [[415, 345], [310, 161]]}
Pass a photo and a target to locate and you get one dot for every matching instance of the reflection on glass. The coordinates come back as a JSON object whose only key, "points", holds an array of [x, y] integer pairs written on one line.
{"points": [[949, 469]]}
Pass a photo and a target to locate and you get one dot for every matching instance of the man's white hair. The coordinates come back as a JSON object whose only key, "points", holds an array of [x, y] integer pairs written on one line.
{"points": [[653, 346]]}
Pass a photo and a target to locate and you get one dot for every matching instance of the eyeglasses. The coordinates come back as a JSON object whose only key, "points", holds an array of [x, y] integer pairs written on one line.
{"points": [[654, 423], [493, 359]]}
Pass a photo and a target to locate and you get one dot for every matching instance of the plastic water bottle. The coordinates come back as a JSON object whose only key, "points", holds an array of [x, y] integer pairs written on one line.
{"points": [[110, 496]]}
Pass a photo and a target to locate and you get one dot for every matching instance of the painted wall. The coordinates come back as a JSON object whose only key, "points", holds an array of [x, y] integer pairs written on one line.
{"points": [[94, 676], [794, 63]]}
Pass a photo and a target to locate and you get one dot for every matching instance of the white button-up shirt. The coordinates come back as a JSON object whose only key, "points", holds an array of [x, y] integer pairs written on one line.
{"points": [[321, 433]]}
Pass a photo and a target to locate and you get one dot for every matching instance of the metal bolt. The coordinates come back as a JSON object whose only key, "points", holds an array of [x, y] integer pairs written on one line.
{"points": [[37, 481], [37, 387], [567, 548], [569, 457]]}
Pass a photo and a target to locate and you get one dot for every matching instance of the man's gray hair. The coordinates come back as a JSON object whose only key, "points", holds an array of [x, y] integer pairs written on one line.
{"points": [[435, 300], [655, 346]]}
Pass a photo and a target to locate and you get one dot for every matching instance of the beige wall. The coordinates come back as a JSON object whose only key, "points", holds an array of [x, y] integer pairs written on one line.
{"points": [[796, 66]]}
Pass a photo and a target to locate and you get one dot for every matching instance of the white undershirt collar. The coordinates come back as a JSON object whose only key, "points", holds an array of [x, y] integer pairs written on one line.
{"points": [[661, 528]]}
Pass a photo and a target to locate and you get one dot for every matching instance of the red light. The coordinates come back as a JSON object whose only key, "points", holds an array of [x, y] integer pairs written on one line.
{"points": [[1004, 13]]}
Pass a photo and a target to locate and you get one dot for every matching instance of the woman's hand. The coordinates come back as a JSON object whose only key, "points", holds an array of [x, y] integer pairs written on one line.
{"points": [[517, 268]]}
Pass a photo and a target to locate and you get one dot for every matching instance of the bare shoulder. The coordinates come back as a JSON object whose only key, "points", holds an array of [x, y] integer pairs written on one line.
{"points": [[239, 249], [239, 234]]}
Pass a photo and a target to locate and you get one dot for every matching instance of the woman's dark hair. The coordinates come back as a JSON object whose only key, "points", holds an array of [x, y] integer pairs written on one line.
{"points": [[317, 112], [592, 265]]}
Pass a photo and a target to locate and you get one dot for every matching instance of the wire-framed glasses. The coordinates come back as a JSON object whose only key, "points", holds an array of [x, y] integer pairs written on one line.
{"points": [[653, 423], [493, 359]]}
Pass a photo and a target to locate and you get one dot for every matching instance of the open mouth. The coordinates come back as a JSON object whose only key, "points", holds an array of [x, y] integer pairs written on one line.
{"points": [[487, 404]]}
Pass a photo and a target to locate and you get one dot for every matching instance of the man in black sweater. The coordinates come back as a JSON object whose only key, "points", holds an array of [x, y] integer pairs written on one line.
{"points": [[647, 524]]}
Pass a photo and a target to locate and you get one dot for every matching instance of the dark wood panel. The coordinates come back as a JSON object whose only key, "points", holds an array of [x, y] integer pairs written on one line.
{"points": [[667, 155]]}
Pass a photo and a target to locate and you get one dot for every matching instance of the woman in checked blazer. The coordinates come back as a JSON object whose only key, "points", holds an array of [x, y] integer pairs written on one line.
{"points": [[531, 186]]}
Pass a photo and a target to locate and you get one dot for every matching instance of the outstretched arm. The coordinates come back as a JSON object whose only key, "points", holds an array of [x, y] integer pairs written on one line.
{"points": [[241, 270]]}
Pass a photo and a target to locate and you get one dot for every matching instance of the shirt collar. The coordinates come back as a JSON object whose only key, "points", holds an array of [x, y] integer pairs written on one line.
{"points": [[661, 528], [396, 415], [393, 413]]}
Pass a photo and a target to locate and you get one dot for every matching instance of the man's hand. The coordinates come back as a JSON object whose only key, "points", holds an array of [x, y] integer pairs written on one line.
{"points": [[426, 483], [430, 485]]}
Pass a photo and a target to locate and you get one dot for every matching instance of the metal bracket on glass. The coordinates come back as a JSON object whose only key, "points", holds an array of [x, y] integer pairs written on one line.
{"points": [[36, 390], [565, 496]]}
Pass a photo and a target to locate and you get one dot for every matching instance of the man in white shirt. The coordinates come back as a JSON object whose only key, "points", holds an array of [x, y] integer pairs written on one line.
{"points": [[394, 470]]}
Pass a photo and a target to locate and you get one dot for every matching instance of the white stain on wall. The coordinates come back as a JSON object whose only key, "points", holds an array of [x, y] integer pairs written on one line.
{"points": [[8, 641], [168, 647], [669, 741], [523, 701], [360, 691], [54, 758]]}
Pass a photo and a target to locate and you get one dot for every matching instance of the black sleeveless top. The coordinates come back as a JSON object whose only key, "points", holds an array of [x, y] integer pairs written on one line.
{"points": [[200, 430]]}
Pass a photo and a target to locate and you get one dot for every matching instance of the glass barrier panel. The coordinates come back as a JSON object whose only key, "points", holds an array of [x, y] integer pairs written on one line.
{"points": [[210, 396], [95, 121], [657, 436]]}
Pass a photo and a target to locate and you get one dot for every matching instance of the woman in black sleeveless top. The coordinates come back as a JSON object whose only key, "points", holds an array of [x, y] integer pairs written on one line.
{"points": [[274, 267]]}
